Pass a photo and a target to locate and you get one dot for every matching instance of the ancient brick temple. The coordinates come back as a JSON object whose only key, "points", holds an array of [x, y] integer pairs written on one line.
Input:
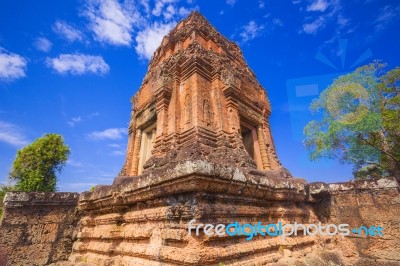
{"points": [[200, 147], [199, 100]]}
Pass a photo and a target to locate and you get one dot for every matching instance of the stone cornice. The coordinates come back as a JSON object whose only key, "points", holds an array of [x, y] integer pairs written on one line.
{"points": [[190, 176]]}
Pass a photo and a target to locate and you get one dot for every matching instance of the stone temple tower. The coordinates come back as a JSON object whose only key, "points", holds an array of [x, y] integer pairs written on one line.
{"points": [[199, 147], [199, 100]]}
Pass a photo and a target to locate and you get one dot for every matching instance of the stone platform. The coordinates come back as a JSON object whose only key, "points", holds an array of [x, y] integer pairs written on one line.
{"points": [[144, 220]]}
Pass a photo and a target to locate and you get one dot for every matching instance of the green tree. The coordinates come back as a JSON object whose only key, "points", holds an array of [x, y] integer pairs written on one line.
{"points": [[37, 164], [360, 114]]}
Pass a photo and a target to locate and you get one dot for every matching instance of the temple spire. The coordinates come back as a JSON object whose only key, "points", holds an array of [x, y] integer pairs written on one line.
{"points": [[199, 100]]}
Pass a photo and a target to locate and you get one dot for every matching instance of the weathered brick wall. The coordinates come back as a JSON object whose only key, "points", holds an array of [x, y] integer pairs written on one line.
{"points": [[367, 203], [37, 228]]}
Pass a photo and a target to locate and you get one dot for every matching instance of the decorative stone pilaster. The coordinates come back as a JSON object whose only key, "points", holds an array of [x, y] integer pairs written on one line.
{"points": [[163, 88], [135, 157], [263, 148]]}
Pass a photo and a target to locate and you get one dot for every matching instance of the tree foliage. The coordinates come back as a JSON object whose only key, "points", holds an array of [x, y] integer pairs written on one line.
{"points": [[37, 164], [360, 122]]}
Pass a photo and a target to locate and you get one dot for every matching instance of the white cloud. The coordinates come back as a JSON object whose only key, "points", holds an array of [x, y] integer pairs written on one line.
{"points": [[159, 6], [120, 23], [318, 5], [150, 38], [250, 31], [12, 66], [43, 44], [74, 121], [12, 135], [117, 149], [146, 5], [78, 64], [169, 12], [231, 2], [117, 153], [110, 133], [94, 114], [315, 26], [261, 4], [114, 145], [386, 15], [72, 162], [342, 21], [67, 31], [331, 13], [277, 22], [112, 22], [183, 12]]}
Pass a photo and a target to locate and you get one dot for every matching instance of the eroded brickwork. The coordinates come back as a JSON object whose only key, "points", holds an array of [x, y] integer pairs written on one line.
{"points": [[363, 203], [37, 228]]}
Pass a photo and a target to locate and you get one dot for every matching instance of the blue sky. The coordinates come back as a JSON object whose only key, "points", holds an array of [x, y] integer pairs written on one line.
{"points": [[71, 67]]}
